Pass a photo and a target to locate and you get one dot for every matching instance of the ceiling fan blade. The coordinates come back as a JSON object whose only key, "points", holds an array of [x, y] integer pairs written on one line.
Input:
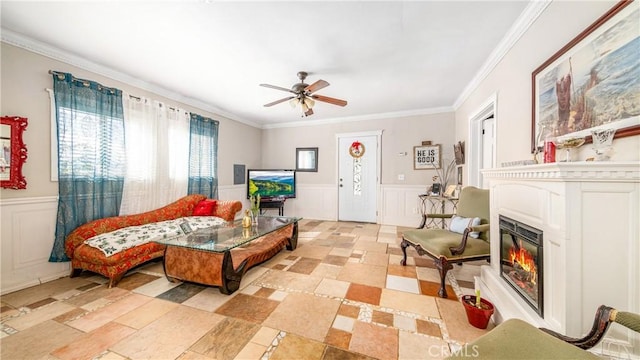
{"points": [[278, 88], [279, 101], [330, 100], [320, 84]]}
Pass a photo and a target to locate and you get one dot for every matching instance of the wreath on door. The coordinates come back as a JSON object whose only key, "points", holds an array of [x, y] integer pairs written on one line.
{"points": [[356, 149]]}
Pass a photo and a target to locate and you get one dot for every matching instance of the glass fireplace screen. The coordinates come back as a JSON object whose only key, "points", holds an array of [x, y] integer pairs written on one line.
{"points": [[521, 262]]}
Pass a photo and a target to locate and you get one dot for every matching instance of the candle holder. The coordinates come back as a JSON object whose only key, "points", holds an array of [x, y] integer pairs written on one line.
{"points": [[568, 144]]}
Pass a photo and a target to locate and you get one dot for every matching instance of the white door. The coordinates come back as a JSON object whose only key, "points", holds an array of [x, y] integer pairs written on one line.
{"points": [[487, 143], [357, 178], [482, 138]]}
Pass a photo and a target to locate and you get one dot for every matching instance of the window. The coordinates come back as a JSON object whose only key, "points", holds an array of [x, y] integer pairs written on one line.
{"points": [[93, 145]]}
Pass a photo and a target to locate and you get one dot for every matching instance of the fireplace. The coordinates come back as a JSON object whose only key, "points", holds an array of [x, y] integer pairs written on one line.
{"points": [[521, 260], [565, 201]]}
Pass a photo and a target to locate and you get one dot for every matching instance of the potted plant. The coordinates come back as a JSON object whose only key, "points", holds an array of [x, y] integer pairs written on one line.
{"points": [[478, 310]]}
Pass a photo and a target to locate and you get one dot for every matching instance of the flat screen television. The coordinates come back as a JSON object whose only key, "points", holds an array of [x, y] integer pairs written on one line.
{"points": [[271, 184]]}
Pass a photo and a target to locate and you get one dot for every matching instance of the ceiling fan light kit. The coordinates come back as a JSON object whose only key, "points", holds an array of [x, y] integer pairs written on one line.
{"points": [[304, 95]]}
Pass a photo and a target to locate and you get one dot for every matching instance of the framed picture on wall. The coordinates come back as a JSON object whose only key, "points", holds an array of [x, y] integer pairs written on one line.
{"points": [[426, 157], [592, 82], [307, 159]]}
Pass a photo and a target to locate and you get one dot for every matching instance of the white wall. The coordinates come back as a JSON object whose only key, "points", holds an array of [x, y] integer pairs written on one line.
{"points": [[24, 80], [28, 216], [511, 81], [317, 195], [25, 76]]}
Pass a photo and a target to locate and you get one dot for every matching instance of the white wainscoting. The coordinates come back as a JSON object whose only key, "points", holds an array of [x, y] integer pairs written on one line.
{"points": [[400, 205], [28, 225], [28, 228], [317, 201], [312, 201]]}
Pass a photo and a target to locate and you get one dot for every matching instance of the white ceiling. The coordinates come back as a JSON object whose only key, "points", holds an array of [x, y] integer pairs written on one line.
{"points": [[394, 57]]}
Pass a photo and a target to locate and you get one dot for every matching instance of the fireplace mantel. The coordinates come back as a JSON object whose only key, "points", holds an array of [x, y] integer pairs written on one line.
{"points": [[588, 212], [583, 171]]}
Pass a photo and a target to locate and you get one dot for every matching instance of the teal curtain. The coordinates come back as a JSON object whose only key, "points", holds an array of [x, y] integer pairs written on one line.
{"points": [[91, 154], [203, 156]]}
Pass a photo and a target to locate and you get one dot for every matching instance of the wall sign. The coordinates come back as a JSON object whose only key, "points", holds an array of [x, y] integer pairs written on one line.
{"points": [[426, 157]]}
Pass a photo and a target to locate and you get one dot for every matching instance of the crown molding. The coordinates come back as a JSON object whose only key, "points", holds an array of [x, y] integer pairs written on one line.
{"points": [[38, 47], [368, 117], [522, 24]]}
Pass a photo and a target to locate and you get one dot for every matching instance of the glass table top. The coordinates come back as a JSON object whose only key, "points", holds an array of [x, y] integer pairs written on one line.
{"points": [[231, 235]]}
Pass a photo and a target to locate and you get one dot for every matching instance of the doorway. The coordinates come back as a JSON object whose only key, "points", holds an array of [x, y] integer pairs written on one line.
{"points": [[482, 141], [358, 174]]}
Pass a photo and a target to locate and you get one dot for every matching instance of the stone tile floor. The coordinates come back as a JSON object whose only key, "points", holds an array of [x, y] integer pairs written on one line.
{"points": [[340, 295]]}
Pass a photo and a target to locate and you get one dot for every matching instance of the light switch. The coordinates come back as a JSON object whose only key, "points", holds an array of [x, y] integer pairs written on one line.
{"points": [[401, 177]]}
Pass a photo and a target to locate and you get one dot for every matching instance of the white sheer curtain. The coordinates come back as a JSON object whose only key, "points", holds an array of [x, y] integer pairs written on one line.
{"points": [[157, 148]]}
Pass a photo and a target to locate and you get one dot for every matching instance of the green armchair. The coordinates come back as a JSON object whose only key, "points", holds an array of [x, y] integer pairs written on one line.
{"points": [[515, 339], [446, 246]]}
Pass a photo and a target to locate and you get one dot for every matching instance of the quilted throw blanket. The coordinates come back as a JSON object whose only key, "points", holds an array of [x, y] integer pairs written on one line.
{"points": [[119, 240]]}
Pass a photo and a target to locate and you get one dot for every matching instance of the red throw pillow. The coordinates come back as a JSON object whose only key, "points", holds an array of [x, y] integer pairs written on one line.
{"points": [[205, 208]]}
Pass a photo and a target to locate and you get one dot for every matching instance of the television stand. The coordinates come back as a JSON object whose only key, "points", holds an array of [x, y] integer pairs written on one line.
{"points": [[272, 204]]}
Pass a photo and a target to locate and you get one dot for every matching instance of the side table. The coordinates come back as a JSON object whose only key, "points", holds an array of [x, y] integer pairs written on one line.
{"points": [[435, 205]]}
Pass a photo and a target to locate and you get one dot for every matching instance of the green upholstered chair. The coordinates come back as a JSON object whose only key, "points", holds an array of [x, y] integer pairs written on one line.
{"points": [[447, 247], [515, 339]]}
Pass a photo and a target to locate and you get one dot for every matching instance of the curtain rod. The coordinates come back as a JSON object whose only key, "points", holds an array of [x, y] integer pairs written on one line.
{"points": [[86, 83], [161, 103]]}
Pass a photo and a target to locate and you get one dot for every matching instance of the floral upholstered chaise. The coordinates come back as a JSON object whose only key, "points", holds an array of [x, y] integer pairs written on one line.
{"points": [[85, 256]]}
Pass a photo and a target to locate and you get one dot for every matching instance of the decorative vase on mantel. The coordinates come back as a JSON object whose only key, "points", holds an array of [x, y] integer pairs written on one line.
{"points": [[602, 143]]}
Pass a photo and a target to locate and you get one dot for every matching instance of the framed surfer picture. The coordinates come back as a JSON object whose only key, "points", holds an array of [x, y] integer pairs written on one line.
{"points": [[590, 83]]}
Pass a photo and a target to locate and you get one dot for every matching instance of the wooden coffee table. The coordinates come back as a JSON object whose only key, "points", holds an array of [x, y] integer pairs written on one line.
{"points": [[219, 256]]}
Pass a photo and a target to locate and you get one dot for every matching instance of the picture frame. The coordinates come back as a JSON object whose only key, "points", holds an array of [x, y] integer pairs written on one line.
{"points": [[435, 189], [568, 90], [451, 189], [460, 175], [307, 159], [426, 157], [13, 153], [458, 151]]}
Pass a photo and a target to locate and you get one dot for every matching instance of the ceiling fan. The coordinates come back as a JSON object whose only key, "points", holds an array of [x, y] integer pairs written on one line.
{"points": [[303, 94]]}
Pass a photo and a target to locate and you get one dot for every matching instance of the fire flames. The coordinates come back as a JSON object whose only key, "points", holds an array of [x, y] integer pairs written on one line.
{"points": [[526, 261]]}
